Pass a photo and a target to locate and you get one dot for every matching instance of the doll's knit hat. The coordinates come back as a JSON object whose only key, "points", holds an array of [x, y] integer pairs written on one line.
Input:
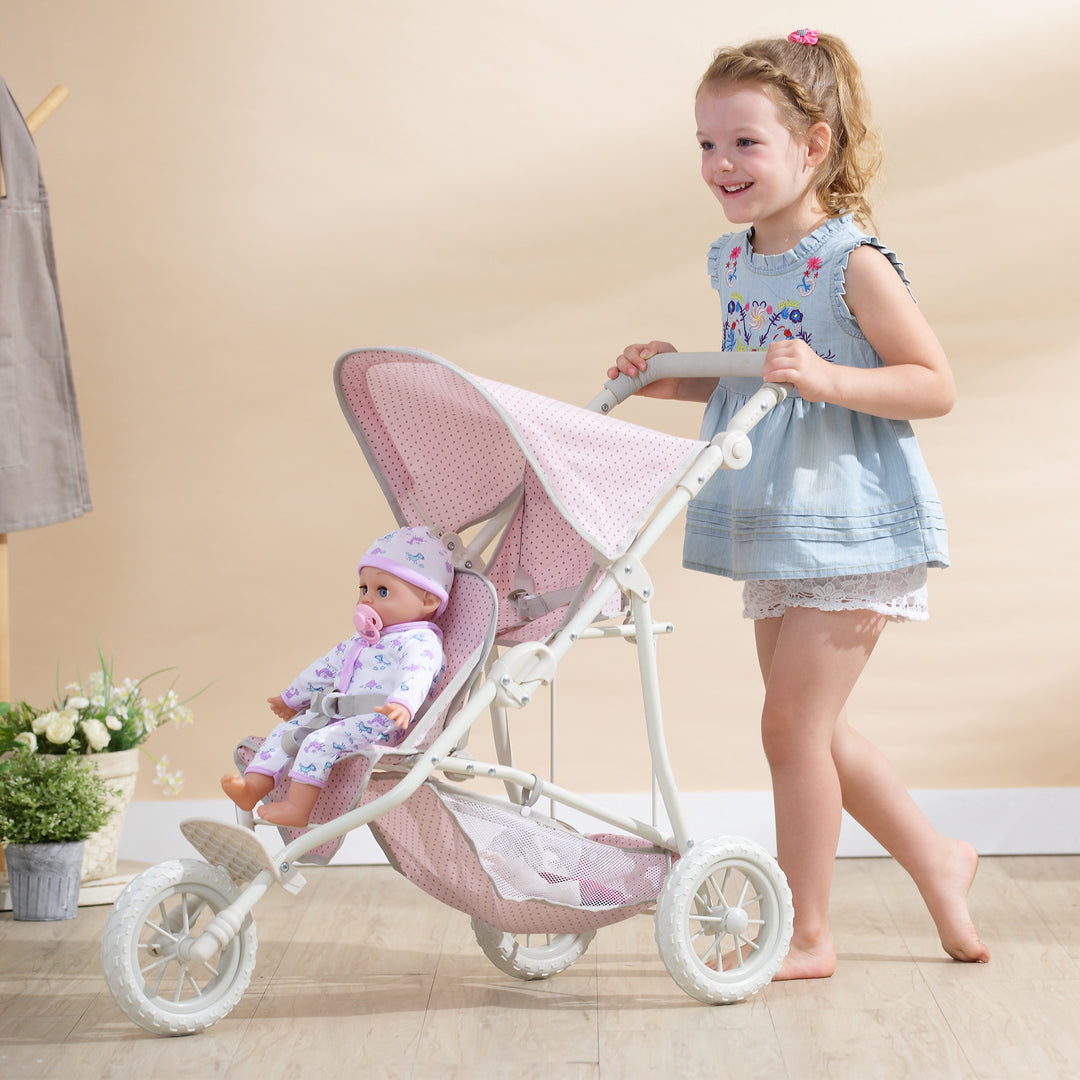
{"points": [[417, 556]]}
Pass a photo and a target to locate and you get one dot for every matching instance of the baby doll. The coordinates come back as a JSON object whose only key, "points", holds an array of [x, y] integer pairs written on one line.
{"points": [[405, 580]]}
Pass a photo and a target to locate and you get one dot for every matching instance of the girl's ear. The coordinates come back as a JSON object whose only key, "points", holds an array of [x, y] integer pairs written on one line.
{"points": [[818, 143]]}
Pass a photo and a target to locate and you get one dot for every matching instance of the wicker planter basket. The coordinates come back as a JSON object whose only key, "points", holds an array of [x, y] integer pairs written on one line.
{"points": [[119, 770]]}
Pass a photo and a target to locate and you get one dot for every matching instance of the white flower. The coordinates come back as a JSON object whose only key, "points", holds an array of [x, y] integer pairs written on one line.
{"points": [[61, 727], [113, 723], [97, 734], [181, 716], [77, 702], [29, 738], [40, 723], [169, 782]]}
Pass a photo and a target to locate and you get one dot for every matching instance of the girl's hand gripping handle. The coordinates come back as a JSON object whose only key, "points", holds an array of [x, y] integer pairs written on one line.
{"points": [[678, 365]]}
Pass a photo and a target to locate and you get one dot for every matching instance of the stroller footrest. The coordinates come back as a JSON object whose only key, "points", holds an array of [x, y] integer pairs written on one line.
{"points": [[238, 851]]}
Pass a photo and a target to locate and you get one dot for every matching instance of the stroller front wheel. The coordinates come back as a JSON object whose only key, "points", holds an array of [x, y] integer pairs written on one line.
{"points": [[724, 920], [530, 956], [147, 968]]}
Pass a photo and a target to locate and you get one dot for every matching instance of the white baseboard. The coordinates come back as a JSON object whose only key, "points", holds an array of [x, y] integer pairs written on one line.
{"points": [[998, 821]]}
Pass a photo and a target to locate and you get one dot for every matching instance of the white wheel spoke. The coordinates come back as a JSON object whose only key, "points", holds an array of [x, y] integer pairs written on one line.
{"points": [[163, 931], [158, 963], [709, 919]]}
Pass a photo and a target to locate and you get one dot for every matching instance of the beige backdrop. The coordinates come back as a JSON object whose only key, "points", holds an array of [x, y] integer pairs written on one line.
{"points": [[244, 189]]}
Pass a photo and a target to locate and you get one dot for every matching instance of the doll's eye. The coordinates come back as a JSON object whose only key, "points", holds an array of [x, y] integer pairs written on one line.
{"points": [[384, 592]]}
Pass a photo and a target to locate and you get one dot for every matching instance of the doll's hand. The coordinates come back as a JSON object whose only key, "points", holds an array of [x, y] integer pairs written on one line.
{"points": [[280, 709], [634, 359], [397, 712], [793, 361]]}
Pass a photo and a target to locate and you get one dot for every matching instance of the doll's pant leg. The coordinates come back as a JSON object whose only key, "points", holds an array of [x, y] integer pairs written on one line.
{"points": [[271, 758], [323, 747]]}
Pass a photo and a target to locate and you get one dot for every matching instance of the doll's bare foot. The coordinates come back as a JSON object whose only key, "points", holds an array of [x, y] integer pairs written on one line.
{"points": [[945, 892], [246, 791], [285, 813]]}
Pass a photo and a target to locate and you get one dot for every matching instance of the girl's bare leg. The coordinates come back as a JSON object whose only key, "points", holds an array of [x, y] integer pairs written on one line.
{"points": [[943, 869], [810, 661]]}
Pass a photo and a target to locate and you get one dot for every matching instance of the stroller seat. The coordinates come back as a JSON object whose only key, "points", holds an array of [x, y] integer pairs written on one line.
{"points": [[468, 627]]}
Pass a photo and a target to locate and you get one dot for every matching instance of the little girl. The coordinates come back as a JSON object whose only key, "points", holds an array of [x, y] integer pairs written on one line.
{"points": [[834, 522]]}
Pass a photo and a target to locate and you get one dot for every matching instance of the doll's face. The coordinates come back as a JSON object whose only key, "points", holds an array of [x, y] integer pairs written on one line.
{"points": [[395, 600]]}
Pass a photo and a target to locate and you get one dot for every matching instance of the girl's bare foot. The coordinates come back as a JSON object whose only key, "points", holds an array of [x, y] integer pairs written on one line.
{"points": [[809, 962], [246, 791], [945, 893]]}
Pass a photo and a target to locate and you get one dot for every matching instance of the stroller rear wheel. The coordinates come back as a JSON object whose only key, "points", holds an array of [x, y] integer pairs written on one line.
{"points": [[144, 958], [724, 920], [530, 956]]}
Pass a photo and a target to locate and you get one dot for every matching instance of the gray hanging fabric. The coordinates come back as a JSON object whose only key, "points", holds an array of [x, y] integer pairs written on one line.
{"points": [[42, 471]]}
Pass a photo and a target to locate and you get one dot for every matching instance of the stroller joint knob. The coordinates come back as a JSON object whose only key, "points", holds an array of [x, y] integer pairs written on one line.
{"points": [[736, 448]]}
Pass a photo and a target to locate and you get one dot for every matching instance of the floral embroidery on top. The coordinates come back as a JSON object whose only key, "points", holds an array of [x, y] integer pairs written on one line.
{"points": [[810, 276], [731, 267], [756, 324]]}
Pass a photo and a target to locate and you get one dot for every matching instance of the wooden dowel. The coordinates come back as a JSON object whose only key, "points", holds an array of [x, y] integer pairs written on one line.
{"points": [[5, 626], [53, 100]]}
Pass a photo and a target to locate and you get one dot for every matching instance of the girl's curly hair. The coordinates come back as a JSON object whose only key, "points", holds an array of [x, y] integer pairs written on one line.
{"points": [[810, 84]]}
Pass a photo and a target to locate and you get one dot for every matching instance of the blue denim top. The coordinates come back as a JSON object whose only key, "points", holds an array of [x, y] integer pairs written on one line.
{"points": [[828, 491]]}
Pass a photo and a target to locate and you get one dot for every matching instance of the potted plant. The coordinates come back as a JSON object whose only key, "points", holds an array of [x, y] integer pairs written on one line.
{"points": [[107, 720], [49, 805]]}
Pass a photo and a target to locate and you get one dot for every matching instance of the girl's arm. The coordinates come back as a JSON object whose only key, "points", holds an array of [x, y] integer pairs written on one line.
{"points": [[916, 381], [634, 359]]}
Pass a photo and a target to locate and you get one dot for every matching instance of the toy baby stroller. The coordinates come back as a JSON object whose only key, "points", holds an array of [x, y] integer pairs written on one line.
{"points": [[548, 510]]}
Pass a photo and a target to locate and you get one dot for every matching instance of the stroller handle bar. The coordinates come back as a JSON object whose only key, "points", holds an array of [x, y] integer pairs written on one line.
{"points": [[683, 365]]}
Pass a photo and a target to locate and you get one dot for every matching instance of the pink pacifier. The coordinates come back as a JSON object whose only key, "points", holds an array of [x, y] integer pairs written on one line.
{"points": [[367, 622]]}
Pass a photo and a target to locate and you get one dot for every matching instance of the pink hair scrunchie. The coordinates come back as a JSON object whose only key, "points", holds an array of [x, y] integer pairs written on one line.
{"points": [[803, 37]]}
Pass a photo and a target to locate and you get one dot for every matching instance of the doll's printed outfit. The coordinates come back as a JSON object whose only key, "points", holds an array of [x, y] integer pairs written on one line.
{"points": [[403, 664], [836, 508]]}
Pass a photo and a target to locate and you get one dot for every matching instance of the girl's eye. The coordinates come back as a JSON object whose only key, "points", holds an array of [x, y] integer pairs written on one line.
{"points": [[744, 142], [706, 145]]}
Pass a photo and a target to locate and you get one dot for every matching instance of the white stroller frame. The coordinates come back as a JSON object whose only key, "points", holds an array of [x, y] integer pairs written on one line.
{"points": [[178, 948]]}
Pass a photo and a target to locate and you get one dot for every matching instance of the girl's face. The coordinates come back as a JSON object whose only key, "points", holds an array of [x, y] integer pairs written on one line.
{"points": [[761, 173]]}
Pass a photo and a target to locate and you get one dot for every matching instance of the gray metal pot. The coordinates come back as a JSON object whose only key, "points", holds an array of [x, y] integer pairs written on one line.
{"points": [[44, 880]]}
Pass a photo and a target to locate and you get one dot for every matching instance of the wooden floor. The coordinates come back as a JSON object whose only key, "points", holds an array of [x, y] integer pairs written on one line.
{"points": [[362, 975]]}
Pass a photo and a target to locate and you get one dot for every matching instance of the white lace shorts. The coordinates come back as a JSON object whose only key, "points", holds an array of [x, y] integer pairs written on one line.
{"points": [[900, 595]]}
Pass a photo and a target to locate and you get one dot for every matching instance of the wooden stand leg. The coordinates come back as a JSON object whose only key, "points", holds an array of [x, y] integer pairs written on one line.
{"points": [[5, 638], [5, 622]]}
